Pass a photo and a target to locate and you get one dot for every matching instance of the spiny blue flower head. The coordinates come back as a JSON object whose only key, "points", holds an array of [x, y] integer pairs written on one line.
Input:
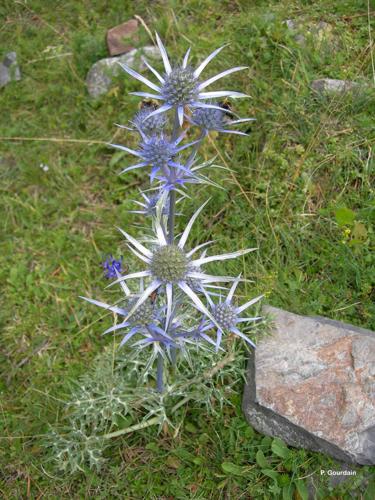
{"points": [[169, 264], [209, 118], [144, 315], [227, 316], [149, 125], [176, 177], [158, 151], [141, 317], [180, 86], [216, 119], [112, 265], [149, 206]]}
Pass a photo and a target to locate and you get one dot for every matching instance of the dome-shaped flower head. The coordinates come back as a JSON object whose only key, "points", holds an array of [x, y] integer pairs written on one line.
{"points": [[187, 173], [158, 151], [177, 177], [149, 125], [198, 332], [227, 315], [145, 315], [180, 85], [169, 265], [168, 335], [149, 205], [216, 119]]}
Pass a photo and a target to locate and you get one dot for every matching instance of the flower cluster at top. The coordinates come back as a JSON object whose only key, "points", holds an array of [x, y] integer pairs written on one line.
{"points": [[177, 302]]}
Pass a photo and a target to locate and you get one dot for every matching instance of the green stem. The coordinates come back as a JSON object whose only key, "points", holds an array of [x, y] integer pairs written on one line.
{"points": [[160, 373], [171, 219], [171, 216], [137, 427], [207, 374]]}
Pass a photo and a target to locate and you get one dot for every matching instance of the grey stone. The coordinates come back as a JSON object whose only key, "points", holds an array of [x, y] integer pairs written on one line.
{"points": [[331, 86], [319, 32], [100, 76], [9, 69], [311, 382]]}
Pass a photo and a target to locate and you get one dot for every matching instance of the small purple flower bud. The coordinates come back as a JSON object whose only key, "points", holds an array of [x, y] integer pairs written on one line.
{"points": [[110, 266]]}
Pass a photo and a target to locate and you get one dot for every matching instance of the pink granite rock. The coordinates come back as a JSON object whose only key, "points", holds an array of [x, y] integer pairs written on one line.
{"points": [[120, 37], [312, 383]]}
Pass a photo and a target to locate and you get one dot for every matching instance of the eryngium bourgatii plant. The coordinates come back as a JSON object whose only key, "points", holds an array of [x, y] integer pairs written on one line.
{"points": [[177, 302]]}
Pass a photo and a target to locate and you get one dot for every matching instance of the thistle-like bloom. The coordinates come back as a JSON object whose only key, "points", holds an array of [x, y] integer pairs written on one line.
{"points": [[149, 205], [180, 86], [111, 267], [199, 332], [141, 321], [157, 151], [177, 177], [170, 265], [227, 315], [146, 124], [216, 119], [174, 178]]}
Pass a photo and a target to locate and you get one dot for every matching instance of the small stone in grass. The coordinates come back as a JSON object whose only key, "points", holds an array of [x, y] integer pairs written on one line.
{"points": [[120, 37], [9, 69]]}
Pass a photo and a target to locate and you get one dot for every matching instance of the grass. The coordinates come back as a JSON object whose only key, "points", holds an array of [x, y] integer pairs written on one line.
{"points": [[302, 191]]}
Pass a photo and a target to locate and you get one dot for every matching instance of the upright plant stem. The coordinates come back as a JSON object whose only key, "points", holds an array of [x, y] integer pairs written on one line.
{"points": [[159, 374], [172, 194], [171, 218]]}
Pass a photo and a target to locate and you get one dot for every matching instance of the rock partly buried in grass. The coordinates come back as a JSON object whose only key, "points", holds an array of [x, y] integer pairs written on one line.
{"points": [[331, 86], [120, 37], [9, 69], [99, 78], [312, 383], [318, 32]]}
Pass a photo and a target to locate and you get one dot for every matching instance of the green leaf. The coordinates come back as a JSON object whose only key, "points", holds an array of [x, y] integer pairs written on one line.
{"points": [[184, 454], [173, 462], [302, 489], [222, 484], [370, 492], [198, 461], [275, 490], [152, 447], [191, 428], [279, 448], [271, 473], [261, 460], [288, 492], [230, 468], [359, 231], [344, 216], [116, 158]]}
